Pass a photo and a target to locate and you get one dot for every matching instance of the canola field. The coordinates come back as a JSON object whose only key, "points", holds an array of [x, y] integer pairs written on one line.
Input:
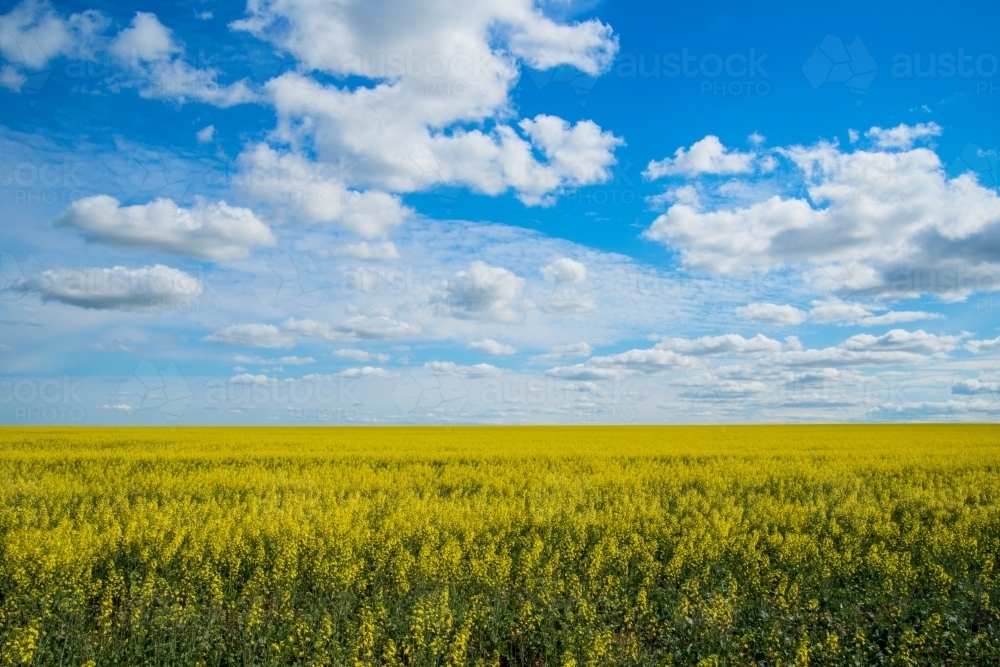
{"points": [[535, 546]]}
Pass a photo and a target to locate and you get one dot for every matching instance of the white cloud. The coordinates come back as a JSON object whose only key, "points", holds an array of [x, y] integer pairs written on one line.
{"points": [[451, 368], [156, 64], [973, 386], [451, 32], [567, 277], [707, 156], [918, 342], [897, 346], [144, 39], [205, 135], [375, 327], [5, 348], [438, 69], [316, 193], [116, 345], [364, 327], [891, 223], [364, 372], [844, 313], [148, 287], [249, 378], [782, 315], [296, 361], [578, 155], [978, 346], [252, 335], [313, 329], [366, 250], [565, 270], [490, 346], [483, 292], [32, 34], [624, 363], [361, 355], [902, 137], [835, 310], [570, 351], [209, 231], [898, 317], [830, 311], [289, 361], [718, 345], [687, 355]]}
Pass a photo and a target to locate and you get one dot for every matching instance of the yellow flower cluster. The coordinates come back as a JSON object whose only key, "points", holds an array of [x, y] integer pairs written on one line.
{"points": [[554, 546]]}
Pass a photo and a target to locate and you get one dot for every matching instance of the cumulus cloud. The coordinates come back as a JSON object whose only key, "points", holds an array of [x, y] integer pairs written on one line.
{"points": [[782, 315], [252, 335], [363, 327], [205, 135], [32, 34], [567, 277], [438, 70], [116, 345], [35, 34], [364, 372], [119, 287], [686, 355], [490, 346], [919, 342], [978, 346], [565, 270], [453, 32], [892, 222], [971, 387], [144, 39], [316, 193], [570, 351], [903, 136], [483, 292], [208, 231], [451, 368], [361, 355], [376, 327], [844, 313], [250, 378], [718, 345], [285, 361], [157, 66], [707, 156], [830, 311], [313, 329], [625, 363], [897, 346]]}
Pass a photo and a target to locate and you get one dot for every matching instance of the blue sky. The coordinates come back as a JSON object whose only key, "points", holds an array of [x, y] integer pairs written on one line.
{"points": [[498, 212]]}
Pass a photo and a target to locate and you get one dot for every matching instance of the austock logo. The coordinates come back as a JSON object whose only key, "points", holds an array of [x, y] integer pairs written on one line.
{"points": [[292, 280], [23, 66], [835, 62], [423, 390], [52, 400], [13, 276], [149, 388]]}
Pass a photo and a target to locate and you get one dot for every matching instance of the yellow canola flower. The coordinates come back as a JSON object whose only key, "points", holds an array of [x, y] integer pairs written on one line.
{"points": [[819, 545]]}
